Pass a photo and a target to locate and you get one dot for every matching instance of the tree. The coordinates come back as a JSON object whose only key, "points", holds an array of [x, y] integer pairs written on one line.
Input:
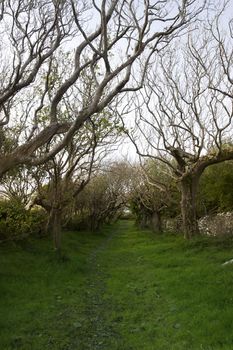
{"points": [[19, 185], [33, 34], [185, 121], [67, 174], [153, 194], [107, 194]]}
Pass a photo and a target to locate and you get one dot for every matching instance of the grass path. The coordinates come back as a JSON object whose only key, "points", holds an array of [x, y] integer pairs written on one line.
{"points": [[124, 289], [97, 331]]}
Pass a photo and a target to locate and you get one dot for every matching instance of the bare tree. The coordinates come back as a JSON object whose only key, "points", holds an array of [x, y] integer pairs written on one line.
{"points": [[214, 53], [153, 194], [105, 197], [185, 119], [109, 50], [68, 173]]}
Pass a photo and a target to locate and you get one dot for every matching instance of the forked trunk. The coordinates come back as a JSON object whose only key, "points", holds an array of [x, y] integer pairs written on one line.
{"points": [[189, 187]]}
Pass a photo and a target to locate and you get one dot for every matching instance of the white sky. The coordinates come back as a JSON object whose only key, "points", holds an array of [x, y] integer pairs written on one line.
{"points": [[127, 149]]}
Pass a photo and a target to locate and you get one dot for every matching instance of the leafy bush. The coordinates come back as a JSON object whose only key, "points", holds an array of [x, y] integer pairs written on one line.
{"points": [[16, 222], [78, 222], [216, 190], [37, 220]]}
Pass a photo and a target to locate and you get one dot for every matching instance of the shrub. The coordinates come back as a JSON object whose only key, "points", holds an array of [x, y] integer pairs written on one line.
{"points": [[37, 221], [215, 190], [77, 222], [16, 222]]}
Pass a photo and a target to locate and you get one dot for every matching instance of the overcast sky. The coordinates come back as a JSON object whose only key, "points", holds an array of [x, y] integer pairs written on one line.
{"points": [[126, 148]]}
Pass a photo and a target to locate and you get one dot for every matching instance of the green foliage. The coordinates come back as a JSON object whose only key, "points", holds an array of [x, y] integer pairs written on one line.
{"points": [[12, 219], [78, 222], [16, 222], [8, 138], [216, 190], [37, 220]]}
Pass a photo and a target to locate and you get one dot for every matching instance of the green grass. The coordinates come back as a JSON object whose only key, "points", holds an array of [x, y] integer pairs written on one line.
{"points": [[124, 289], [42, 298]]}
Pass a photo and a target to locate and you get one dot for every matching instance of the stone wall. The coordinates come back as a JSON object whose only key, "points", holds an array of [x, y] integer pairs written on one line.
{"points": [[211, 225], [173, 225], [215, 225]]}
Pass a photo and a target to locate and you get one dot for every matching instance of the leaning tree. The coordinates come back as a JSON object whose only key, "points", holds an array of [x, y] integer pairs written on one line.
{"points": [[110, 41], [185, 113], [69, 172]]}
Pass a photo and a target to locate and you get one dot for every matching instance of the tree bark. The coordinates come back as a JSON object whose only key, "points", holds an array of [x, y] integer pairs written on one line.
{"points": [[189, 185], [155, 222], [144, 221], [56, 228]]}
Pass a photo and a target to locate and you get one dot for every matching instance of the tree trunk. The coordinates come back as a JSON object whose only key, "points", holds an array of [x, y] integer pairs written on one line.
{"points": [[155, 222], [189, 185], [144, 221], [56, 228]]}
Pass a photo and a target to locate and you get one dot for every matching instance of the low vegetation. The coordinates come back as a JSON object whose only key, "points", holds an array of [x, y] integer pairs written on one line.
{"points": [[17, 223], [123, 288]]}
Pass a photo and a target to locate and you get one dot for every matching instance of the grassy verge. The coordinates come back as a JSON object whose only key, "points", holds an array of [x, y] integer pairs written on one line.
{"points": [[123, 289], [42, 298], [170, 294]]}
